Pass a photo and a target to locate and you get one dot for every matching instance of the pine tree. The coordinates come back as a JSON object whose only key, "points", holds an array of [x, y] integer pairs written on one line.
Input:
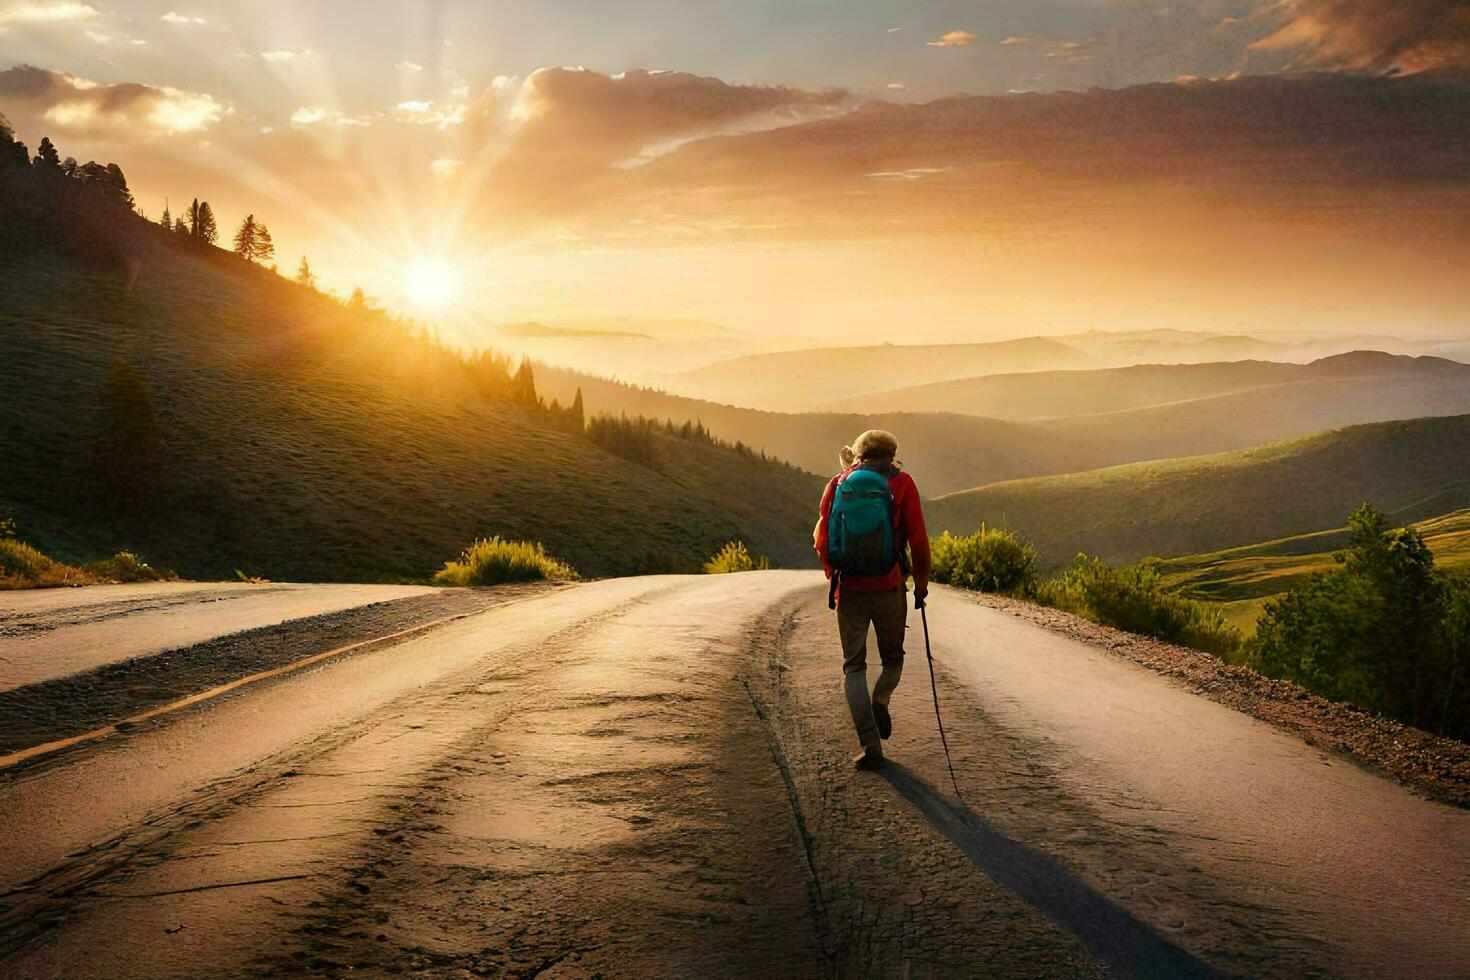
{"points": [[117, 186], [577, 420], [525, 384], [166, 220], [47, 159], [245, 239], [206, 230], [304, 274], [181, 228], [194, 219], [265, 249]]}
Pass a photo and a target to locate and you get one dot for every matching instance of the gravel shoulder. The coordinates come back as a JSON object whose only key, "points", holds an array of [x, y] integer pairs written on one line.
{"points": [[1435, 766]]}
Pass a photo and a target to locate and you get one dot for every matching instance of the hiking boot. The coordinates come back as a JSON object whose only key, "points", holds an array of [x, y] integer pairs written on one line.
{"points": [[869, 758], [885, 722]]}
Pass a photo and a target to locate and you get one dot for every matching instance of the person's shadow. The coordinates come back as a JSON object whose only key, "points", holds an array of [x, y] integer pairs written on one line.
{"points": [[1126, 944]]}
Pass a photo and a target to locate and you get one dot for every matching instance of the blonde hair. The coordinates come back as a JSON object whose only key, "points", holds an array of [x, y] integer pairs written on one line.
{"points": [[873, 444]]}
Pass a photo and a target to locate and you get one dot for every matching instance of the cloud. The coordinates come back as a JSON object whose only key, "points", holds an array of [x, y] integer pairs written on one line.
{"points": [[80, 106], [894, 30], [567, 124], [176, 18], [1070, 50], [285, 55], [431, 114], [409, 67], [954, 39], [896, 87], [445, 167], [1014, 40], [309, 116], [42, 13], [1373, 35]]}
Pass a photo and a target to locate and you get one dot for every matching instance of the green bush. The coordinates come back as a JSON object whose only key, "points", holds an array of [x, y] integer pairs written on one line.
{"points": [[490, 561], [990, 560], [1133, 598], [734, 557], [128, 567], [1385, 630]]}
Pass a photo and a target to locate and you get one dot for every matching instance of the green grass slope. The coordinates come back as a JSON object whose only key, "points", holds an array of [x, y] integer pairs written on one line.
{"points": [[1411, 469], [945, 452], [1262, 570], [299, 445]]}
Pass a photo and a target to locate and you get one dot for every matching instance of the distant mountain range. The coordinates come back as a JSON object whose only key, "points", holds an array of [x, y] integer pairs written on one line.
{"points": [[1116, 415]]}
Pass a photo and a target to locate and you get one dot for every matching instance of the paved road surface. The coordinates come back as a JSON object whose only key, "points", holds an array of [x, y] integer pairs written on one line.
{"points": [[648, 777], [50, 633]]}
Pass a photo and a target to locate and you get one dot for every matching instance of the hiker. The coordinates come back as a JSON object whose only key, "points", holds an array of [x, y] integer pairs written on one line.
{"points": [[869, 512]]}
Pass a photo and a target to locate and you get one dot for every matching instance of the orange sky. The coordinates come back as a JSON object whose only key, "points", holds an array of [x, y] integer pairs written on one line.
{"points": [[838, 206]]}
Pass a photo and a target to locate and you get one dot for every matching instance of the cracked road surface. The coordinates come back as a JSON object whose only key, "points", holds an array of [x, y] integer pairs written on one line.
{"points": [[648, 777]]}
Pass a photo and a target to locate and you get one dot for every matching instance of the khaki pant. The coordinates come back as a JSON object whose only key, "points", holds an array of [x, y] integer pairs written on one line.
{"points": [[886, 612]]}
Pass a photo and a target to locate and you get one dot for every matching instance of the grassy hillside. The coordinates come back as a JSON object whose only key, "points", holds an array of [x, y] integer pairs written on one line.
{"points": [[1240, 580], [302, 441], [1060, 395], [801, 380], [1411, 470], [944, 452], [1261, 570]]}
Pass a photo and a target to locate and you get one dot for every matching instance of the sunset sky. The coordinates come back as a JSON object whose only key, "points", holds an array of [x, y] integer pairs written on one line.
{"points": [[784, 168]]}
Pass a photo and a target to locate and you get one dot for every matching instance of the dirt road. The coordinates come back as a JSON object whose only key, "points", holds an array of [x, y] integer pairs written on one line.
{"points": [[648, 777]]}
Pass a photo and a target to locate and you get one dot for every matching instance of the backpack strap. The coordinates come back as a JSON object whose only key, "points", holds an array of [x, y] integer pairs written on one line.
{"points": [[832, 590]]}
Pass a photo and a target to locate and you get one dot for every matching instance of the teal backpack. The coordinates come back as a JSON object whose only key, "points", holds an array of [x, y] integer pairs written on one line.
{"points": [[860, 537]]}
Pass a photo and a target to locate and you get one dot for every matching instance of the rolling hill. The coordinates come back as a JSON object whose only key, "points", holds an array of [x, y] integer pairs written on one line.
{"points": [[949, 452], [304, 440], [800, 380], [1410, 469], [945, 452], [1061, 394]]}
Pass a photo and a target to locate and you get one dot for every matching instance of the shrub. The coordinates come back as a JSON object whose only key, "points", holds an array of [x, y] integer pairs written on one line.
{"points": [[1385, 631], [128, 567], [1133, 598], [734, 557], [24, 567], [990, 560], [490, 561]]}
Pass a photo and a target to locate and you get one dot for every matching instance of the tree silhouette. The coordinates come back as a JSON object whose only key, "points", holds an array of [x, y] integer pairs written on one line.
{"points": [[245, 238], [47, 161], [578, 419], [304, 275], [524, 390], [181, 228], [265, 249], [166, 220], [194, 219], [205, 230], [117, 186]]}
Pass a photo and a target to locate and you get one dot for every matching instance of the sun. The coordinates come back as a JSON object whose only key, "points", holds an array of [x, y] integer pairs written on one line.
{"points": [[429, 283]]}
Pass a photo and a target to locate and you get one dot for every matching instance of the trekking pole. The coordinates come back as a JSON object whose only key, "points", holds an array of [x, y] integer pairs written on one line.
{"points": [[934, 686]]}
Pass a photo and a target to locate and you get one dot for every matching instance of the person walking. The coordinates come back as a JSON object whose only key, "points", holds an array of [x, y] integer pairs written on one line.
{"points": [[870, 518]]}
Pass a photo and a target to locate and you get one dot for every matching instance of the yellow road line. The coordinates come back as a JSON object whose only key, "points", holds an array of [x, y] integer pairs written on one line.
{"points": [[114, 728]]}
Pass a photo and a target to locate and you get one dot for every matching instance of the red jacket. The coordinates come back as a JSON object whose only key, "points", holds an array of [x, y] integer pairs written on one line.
{"points": [[908, 520]]}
